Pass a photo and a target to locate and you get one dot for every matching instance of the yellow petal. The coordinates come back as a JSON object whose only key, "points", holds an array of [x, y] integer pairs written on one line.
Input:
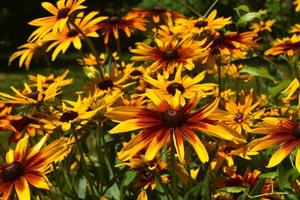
{"points": [[22, 188], [283, 151]]}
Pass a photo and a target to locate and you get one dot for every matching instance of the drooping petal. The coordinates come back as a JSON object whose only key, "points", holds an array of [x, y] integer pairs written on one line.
{"points": [[22, 188], [21, 148], [38, 181], [156, 144], [179, 145]]}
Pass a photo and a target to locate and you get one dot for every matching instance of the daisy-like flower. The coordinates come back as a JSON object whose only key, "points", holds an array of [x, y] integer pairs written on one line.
{"points": [[295, 29], [46, 81], [279, 131], [186, 85], [263, 26], [31, 165], [240, 113], [287, 45], [156, 13], [127, 23], [166, 121], [60, 16], [192, 27], [31, 96], [76, 113], [228, 46], [26, 52], [71, 35], [167, 55]]}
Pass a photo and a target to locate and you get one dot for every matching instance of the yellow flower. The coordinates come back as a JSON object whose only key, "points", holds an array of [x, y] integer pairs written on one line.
{"points": [[295, 29], [279, 131], [59, 19], [167, 121], [297, 3], [263, 26], [26, 52], [168, 55], [186, 85], [289, 46], [70, 35], [194, 27], [25, 166]]}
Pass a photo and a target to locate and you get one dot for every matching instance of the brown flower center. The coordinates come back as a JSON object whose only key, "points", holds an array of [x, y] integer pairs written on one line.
{"points": [[172, 118], [72, 33], [238, 117], [158, 9], [68, 116], [22, 123], [33, 95], [201, 23], [63, 13], [12, 172], [105, 84], [296, 131], [171, 55], [136, 73], [173, 87], [114, 19], [218, 39]]}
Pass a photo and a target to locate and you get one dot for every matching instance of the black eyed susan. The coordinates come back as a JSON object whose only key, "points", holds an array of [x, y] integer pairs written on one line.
{"points": [[165, 122], [127, 23], [31, 96], [186, 85], [240, 113], [229, 46], [26, 53], [167, 55], [60, 16], [156, 13], [194, 27], [263, 26], [71, 35], [30, 165], [287, 45], [279, 131], [74, 113]]}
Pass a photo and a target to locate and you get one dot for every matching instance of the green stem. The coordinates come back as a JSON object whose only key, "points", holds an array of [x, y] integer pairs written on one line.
{"points": [[210, 8], [189, 8], [91, 47], [173, 172], [118, 42]]}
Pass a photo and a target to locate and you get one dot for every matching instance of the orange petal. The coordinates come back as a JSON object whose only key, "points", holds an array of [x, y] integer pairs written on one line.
{"points": [[22, 188]]}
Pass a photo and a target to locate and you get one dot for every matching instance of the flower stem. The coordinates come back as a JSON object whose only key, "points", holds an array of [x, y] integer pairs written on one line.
{"points": [[189, 8], [210, 8]]}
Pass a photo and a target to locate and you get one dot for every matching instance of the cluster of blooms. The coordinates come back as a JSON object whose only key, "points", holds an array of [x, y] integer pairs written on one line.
{"points": [[187, 85]]}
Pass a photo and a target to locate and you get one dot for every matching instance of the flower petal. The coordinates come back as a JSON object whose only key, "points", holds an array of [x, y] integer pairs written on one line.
{"points": [[22, 188]]}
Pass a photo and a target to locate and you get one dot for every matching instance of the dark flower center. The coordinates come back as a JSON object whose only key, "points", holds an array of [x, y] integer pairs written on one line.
{"points": [[158, 9], [217, 39], [296, 131], [238, 117], [12, 172], [172, 118], [114, 19], [173, 87], [49, 81], [68, 116], [63, 13], [171, 55], [201, 23], [22, 123], [33, 95], [105, 84], [72, 33], [136, 73]]}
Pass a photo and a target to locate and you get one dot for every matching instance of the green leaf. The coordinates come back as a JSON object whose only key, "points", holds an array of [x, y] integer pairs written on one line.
{"points": [[82, 187], [260, 72], [130, 176], [235, 189], [248, 17], [271, 175], [205, 192], [274, 91], [243, 8], [283, 178], [194, 192]]}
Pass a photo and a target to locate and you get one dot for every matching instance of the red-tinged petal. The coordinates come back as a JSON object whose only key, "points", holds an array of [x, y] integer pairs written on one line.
{"points": [[156, 144], [22, 188], [179, 144], [283, 151], [193, 139], [38, 181], [161, 104], [205, 111], [123, 113], [21, 148], [35, 149], [129, 125]]}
